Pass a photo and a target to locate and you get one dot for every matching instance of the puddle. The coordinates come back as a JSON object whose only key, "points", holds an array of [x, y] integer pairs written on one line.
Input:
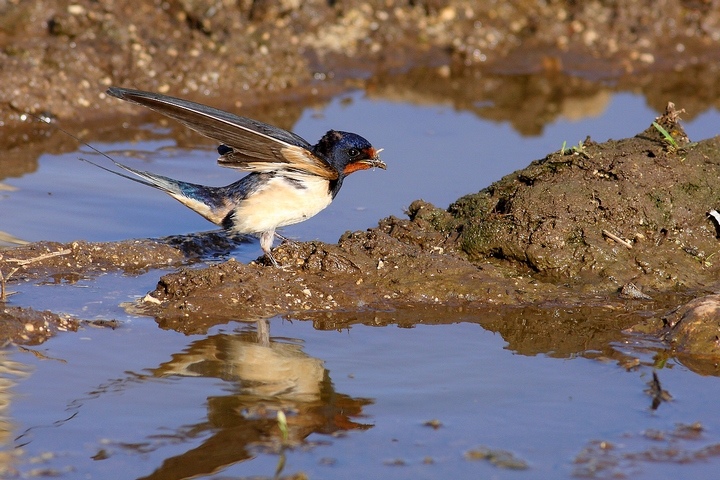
{"points": [[364, 402], [169, 406]]}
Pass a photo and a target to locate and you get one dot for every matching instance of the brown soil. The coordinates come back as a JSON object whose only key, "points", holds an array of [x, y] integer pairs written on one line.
{"points": [[58, 58], [26, 326], [631, 210]]}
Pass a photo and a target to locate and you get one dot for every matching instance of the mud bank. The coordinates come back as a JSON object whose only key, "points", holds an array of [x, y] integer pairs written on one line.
{"points": [[25, 326], [625, 218], [58, 58], [619, 227], [603, 215]]}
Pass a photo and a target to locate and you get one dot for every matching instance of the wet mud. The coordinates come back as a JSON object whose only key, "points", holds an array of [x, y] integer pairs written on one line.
{"points": [[26, 326], [59, 58], [604, 215]]}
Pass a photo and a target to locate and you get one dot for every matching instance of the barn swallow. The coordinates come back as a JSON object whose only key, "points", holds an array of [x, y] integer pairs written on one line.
{"points": [[289, 180]]}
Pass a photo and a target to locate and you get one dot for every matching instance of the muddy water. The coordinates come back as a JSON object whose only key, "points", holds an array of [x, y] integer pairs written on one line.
{"points": [[447, 398]]}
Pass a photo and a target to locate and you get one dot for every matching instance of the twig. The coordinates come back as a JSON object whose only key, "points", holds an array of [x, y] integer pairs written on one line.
{"points": [[2, 288], [3, 281], [39, 258], [617, 239], [21, 263]]}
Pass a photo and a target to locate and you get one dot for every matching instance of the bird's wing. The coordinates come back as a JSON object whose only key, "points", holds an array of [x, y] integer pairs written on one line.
{"points": [[256, 146]]}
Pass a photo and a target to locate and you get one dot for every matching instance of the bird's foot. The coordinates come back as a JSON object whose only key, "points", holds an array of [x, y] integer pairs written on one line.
{"points": [[270, 257], [275, 263]]}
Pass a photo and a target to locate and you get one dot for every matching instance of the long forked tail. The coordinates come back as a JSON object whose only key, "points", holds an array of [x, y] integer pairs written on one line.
{"points": [[207, 201], [210, 202]]}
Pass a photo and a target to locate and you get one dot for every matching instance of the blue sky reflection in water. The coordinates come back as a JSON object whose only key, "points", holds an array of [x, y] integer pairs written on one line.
{"points": [[107, 401], [110, 405]]}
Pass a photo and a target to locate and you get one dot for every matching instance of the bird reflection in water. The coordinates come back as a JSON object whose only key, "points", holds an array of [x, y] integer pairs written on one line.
{"points": [[267, 375]]}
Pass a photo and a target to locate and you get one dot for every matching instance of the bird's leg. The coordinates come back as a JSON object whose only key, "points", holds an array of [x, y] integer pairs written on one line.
{"points": [[266, 241], [263, 332]]}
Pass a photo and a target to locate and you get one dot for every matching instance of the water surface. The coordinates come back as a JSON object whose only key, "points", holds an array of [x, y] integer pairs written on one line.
{"points": [[151, 403]]}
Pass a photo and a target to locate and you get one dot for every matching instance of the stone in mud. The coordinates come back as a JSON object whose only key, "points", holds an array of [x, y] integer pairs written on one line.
{"points": [[694, 328]]}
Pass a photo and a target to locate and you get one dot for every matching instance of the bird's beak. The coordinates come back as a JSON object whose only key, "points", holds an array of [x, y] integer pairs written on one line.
{"points": [[375, 159], [364, 164]]}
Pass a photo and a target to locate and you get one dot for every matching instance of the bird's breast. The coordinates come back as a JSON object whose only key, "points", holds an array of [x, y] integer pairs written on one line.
{"points": [[281, 201]]}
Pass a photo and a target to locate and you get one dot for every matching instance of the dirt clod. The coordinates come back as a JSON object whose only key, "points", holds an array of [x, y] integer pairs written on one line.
{"points": [[25, 326]]}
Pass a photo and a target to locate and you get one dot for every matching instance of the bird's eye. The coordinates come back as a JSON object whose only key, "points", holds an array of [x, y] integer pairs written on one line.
{"points": [[353, 152]]}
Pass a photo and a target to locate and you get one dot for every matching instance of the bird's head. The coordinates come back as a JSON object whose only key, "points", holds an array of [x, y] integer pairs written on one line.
{"points": [[348, 152]]}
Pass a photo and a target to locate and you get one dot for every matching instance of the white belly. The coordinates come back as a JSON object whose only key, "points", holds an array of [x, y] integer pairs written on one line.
{"points": [[281, 203]]}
